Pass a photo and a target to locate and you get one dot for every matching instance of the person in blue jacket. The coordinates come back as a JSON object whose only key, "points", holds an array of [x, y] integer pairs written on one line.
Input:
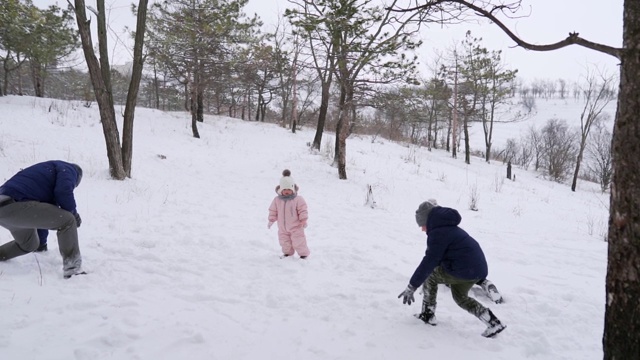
{"points": [[37, 199], [452, 257]]}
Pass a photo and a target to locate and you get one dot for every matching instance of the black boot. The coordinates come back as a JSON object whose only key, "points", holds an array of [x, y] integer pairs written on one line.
{"points": [[428, 315], [494, 326], [41, 248]]}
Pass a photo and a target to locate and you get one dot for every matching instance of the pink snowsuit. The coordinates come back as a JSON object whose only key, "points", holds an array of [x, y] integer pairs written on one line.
{"points": [[290, 215]]}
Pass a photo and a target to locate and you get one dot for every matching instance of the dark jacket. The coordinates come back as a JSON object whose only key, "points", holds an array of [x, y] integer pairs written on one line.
{"points": [[451, 248], [50, 182]]}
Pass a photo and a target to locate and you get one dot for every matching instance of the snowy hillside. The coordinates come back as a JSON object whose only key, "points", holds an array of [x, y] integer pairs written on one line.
{"points": [[182, 266], [568, 109]]}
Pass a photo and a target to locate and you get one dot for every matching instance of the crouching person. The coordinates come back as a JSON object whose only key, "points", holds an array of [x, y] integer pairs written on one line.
{"points": [[452, 257], [41, 197]]}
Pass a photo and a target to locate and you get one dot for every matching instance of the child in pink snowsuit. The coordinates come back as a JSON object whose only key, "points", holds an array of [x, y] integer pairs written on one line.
{"points": [[290, 211]]}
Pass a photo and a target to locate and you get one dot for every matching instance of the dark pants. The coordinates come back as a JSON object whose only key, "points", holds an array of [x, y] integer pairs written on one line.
{"points": [[459, 290], [23, 219]]}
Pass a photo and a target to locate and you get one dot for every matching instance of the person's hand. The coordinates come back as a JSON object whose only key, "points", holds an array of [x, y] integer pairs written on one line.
{"points": [[269, 224], [78, 219], [407, 295], [304, 224]]}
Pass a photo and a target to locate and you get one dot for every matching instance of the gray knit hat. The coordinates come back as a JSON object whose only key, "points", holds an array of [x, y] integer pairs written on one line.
{"points": [[424, 210]]}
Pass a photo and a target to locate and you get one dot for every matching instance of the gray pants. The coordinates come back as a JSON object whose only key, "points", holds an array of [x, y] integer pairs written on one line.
{"points": [[23, 219], [459, 290]]}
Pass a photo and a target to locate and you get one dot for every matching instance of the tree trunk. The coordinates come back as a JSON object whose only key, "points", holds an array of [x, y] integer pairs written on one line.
{"points": [[467, 147], [454, 116], [430, 124], [489, 131], [187, 97], [200, 104], [155, 86], [105, 68], [487, 155], [20, 83], [134, 86], [339, 127], [36, 78], [322, 115], [621, 339], [194, 111], [101, 90], [195, 94], [260, 100], [6, 75], [343, 133], [341, 141], [583, 141]]}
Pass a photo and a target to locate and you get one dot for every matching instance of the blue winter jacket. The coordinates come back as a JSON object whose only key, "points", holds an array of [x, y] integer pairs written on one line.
{"points": [[50, 182], [451, 248]]}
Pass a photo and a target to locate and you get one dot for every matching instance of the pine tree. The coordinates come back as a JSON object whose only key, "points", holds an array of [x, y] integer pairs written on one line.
{"points": [[198, 41]]}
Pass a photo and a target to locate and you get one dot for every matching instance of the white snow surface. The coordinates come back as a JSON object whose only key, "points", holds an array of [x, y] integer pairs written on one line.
{"points": [[181, 264]]}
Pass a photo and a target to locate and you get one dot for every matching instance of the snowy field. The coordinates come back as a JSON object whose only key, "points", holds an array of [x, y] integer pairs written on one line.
{"points": [[181, 264]]}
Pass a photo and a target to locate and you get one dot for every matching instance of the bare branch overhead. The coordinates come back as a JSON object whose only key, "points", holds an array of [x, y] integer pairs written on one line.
{"points": [[490, 11]]}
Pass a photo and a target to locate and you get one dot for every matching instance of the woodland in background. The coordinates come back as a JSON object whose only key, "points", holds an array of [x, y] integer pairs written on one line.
{"points": [[218, 66], [216, 60], [420, 115]]}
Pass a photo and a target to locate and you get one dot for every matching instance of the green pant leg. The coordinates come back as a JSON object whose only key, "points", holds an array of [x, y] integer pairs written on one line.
{"points": [[459, 290], [460, 293], [430, 288]]}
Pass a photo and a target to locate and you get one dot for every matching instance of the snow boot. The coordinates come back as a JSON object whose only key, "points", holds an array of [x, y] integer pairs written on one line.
{"points": [[491, 291], [494, 326], [41, 248], [72, 266], [68, 275], [428, 315]]}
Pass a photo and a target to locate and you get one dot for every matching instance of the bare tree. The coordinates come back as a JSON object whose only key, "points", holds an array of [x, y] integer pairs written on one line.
{"points": [[528, 102], [562, 88], [452, 130], [322, 55], [622, 313], [437, 95], [366, 40], [558, 143], [599, 149], [597, 94], [535, 141], [100, 73], [294, 87], [511, 151], [526, 153], [496, 100]]}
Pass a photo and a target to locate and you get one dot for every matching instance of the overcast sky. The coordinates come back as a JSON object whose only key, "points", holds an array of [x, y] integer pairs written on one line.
{"points": [[548, 21]]}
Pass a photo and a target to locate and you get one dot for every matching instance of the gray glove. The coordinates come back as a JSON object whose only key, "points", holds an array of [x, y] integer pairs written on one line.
{"points": [[78, 219], [407, 295]]}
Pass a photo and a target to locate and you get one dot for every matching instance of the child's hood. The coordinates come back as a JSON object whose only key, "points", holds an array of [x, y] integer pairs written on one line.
{"points": [[443, 216]]}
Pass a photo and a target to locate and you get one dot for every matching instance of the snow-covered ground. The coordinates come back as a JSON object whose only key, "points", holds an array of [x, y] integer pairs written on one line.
{"points": [[181, 264]]}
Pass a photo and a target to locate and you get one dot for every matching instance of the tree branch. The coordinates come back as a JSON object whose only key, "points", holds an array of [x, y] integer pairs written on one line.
{"points": [[572, 39]]}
